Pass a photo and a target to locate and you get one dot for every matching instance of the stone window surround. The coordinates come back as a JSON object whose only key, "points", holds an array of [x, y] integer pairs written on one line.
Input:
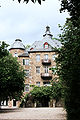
{"points": [[38, 57], [26, 88], [38, 69], [38, 84], [26, 61], [27, 72]]}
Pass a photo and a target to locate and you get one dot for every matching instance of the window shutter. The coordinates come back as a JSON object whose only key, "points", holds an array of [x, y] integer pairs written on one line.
{"points": [[23, 61]]}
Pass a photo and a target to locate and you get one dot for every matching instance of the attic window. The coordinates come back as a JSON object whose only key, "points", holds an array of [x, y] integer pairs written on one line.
{"points": [[31, 49], [46, 45]]}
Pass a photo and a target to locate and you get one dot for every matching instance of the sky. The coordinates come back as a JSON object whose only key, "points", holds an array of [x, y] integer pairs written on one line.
{"points": [[28, 21]]}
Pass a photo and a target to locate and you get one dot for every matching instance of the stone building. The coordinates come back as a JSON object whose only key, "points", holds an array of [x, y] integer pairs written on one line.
{"points": [[36, 60]]}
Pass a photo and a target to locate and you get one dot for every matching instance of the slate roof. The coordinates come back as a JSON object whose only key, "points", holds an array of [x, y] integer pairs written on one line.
{"points": [[17, 45], [39, 45], [24, 55], [47, 37]]}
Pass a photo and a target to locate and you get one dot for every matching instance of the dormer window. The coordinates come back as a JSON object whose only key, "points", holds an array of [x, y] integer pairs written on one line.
{"points": [[31, 49], [46, 45]]}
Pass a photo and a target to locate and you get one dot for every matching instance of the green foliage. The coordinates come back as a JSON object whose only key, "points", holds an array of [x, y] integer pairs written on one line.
{"points": [[11, 75], [73, 7], [50, 92], [68, 64], [53, 70], [39, 1], [40, 94], [24, 99], [56, 90], [27, 46], [3, 49], [69, 56]]}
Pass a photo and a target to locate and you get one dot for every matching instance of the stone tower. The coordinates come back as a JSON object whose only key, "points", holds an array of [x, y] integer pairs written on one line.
{"points": [[17, 48]]}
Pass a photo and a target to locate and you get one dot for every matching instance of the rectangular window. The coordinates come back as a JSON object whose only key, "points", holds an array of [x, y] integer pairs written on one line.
{"points": [[46, 69], [15, 55], [25, 61], [38, 84], [26, 73], [46, 56], [38, 58], [37, 69], [46, 46], [53, 56], [46, 84], [26, 89]]}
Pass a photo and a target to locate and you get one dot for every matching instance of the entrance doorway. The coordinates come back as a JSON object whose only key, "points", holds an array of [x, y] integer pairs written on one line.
{"points": [[42, 103], [14, 103]]}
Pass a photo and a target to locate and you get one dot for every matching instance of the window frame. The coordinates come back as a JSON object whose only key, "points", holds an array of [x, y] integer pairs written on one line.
{"points": [[46, 69], [26, 88], [15, 54], [25, 61], [37, 57], [38, 84], [54, 56], [46, 45], [27, 73], [46, 84], [46, 56], [38, 69]]}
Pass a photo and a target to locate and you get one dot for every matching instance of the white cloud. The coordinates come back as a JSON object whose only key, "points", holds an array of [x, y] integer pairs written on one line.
{"points": [[28, 21]]}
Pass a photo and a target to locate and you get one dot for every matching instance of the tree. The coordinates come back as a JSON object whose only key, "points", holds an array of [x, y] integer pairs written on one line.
{"points": [[39, 1], [68, 61], [50, 92], [68, 64], [27, 46], [3, 49], [73, 7], [11, 76], [44, 94]]}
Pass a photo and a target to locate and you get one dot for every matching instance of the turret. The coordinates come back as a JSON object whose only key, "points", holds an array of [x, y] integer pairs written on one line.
{"points": [[47, 33], [17, 48]]}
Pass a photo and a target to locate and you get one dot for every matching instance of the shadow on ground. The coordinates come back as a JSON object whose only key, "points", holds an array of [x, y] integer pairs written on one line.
{"points": [[9, 110]]}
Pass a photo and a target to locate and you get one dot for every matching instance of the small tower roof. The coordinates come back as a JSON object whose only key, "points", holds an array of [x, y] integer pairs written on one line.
{"points": [[48, 33], [47, 38], [17, 45], [47, 29]]}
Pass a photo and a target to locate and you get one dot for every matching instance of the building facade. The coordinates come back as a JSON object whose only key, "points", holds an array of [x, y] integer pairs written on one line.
{"points": [[37, 60]]}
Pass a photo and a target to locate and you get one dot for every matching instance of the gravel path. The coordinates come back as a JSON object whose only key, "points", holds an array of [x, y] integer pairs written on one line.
{"points": [[33, 114]]}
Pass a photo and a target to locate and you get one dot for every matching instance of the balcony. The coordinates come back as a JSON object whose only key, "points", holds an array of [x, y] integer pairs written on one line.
{"points": [[46, 61], [46, 76]]}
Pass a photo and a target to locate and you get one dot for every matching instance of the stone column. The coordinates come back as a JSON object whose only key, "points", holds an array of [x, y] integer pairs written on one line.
{"points": [[54, 101], [49, 104], [35, 104]]}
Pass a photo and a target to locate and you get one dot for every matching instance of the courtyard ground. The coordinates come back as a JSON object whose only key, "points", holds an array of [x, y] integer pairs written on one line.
{"points": [[33, 114]]}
